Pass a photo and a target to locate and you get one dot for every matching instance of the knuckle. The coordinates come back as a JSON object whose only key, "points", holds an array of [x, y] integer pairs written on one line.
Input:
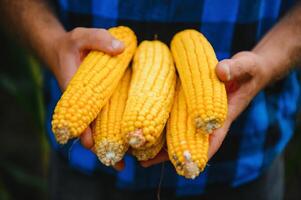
{"points": [[252, 62], [243, 54], [76, 34], [78, 29], [260, 66], [253, 68], [240, 68], [102, 31], [98, 35], [95, 35], [248, 62]]}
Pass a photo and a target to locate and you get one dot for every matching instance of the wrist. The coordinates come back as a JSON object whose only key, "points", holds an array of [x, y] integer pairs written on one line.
{"points": [[52, 54], [62, 57], [50, 47]]}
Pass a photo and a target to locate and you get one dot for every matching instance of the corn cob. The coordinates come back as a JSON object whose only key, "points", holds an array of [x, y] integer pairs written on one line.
{"points": [[109, 144], [151, 94], [187, 148], [91, 87], [205, 94], [149, 152]]}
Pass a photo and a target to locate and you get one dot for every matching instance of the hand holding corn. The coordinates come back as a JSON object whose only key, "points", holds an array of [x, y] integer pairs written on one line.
{"points": [[131, 112], [244, 76], [71, 48], [91, 87]]}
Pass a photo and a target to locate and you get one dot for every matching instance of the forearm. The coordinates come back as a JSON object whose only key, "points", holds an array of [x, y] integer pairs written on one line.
{"points": [[281, 46], [33, 22]]}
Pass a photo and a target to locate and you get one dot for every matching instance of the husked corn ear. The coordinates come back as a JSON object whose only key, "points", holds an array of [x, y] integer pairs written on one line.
{"points": [[204, 92], [187, 148], [149, 152], [151, 94], [91, 87], [109, 143]]}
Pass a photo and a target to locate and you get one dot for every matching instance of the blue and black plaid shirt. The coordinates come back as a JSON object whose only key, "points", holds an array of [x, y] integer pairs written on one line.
{"points": [[258, 135]]}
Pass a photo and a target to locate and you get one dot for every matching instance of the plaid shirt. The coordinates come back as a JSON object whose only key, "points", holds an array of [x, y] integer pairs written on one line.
{"points": [[256, 137]]}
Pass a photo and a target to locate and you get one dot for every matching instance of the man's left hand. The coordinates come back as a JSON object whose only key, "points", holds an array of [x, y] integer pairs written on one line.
{"points": [[244, 75]]}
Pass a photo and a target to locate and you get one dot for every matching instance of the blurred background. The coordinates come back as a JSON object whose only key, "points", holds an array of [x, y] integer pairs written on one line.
{"points": [[23, 144]]}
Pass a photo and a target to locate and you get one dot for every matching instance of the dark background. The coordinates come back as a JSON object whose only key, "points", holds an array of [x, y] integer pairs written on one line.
{"points": [[23, 145]]}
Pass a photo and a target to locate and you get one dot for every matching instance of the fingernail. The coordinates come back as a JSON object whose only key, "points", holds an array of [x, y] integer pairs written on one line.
{"points": [[227, 70], [116, 44]]}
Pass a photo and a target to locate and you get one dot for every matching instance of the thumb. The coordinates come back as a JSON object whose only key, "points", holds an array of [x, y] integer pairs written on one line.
{"points": [[239, 67], [97, 39]]}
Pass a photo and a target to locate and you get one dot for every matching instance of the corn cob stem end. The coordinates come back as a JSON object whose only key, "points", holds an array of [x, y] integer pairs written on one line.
{"points": [[109, 153], [62, 135], [208, 126], [136, 138], [191, 169]]}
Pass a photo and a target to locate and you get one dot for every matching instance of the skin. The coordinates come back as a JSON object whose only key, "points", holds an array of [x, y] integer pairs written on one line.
{"points": [[60, 50], [248, 72], [245, 74]]}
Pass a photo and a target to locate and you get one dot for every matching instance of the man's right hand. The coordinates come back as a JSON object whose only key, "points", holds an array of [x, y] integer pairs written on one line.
{"points": [[68, 52]]}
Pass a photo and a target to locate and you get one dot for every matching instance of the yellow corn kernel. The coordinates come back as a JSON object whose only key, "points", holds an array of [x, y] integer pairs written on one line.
{"points": [[91, 87], [109, 143], [149, 152], [187, 148], [205, 94], [151, 94]]}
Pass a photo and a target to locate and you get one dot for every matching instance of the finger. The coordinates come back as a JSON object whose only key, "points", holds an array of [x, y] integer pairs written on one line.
{"points": [[119, 166], [216, 139], [222, 70], [97, 39], [161, 157], [237, 102], [87, 139], [240, 67]]}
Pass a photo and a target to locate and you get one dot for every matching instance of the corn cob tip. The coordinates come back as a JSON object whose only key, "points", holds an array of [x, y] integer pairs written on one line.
{"points": [[109, 158], [62, 135], [208, 126], [191, 169], [109, 153], [136, 138]]}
